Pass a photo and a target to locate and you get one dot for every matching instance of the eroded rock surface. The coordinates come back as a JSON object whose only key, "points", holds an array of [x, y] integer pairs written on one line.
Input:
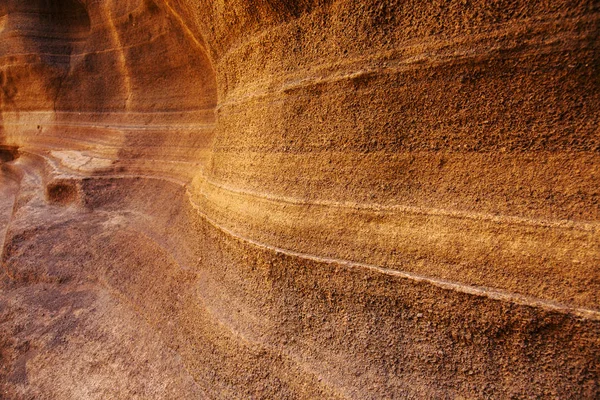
{"points": [[303, 199]]}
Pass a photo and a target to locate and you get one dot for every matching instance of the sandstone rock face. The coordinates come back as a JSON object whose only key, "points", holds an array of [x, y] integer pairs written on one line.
{"points": [[299, 199]]}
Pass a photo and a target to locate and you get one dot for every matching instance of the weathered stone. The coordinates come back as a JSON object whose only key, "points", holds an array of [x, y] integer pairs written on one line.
{"points": [[299, 199]]}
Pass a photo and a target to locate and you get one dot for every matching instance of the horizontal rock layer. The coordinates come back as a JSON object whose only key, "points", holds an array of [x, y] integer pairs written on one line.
{"points": [[298, 199]]}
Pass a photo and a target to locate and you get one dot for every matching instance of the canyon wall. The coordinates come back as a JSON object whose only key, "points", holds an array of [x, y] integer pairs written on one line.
{"points": [[317, 198]]}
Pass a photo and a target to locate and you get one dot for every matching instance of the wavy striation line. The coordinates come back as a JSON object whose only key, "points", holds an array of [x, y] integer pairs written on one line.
{"points": [[492, 293]]}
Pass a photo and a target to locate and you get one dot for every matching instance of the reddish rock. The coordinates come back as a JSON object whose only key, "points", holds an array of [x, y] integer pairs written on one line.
{"points": [[299, 199]]}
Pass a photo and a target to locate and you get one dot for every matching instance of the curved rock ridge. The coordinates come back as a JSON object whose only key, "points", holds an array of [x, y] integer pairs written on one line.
{"points": [[121, 83], [300, 199]]}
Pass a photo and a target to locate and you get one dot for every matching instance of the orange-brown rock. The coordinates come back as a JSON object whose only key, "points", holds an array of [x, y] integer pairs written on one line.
{"points": [[299, 199]]}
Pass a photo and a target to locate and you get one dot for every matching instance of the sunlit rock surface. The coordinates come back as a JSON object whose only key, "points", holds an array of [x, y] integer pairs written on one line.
{"points": [[303, 199]]}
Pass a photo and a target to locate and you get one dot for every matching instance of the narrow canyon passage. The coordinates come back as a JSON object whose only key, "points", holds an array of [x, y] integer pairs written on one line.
{"points": [[308, 199]]}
